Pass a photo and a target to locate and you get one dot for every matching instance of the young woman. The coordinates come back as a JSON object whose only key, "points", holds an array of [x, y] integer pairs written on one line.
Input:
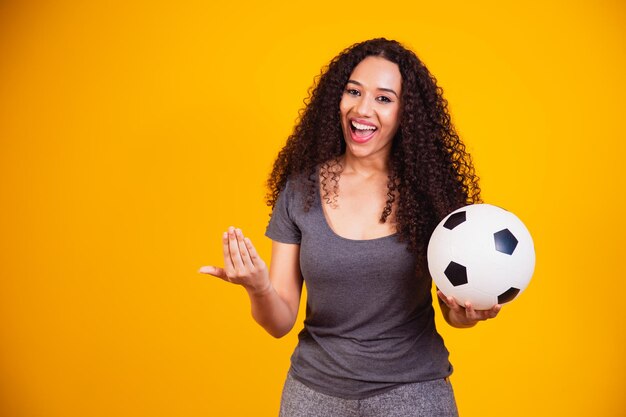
{"points": [[371, 168]]}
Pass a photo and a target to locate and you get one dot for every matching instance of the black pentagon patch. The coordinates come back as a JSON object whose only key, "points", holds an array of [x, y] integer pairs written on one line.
{"points": [[505, 241], [454, 220], [456, 273], [508, 295]]}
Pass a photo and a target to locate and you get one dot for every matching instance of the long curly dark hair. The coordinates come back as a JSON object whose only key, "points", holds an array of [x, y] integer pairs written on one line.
{"points": [[430, 171]]}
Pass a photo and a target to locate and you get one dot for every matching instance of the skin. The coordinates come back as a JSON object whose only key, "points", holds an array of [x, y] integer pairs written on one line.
{"points": [[274, 294], [372, 95]]}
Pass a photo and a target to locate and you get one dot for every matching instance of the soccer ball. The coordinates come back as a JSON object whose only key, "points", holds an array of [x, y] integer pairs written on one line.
{"points": [[482, 254]]}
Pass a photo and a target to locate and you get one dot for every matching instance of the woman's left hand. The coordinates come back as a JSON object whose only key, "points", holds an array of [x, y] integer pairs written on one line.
{"points": [[459, 316]]}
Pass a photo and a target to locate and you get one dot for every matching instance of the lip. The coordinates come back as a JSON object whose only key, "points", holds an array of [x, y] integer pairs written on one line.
{"points": [[362, 121], [359, 139]]}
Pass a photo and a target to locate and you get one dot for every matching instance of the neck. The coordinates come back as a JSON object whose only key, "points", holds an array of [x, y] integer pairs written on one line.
{"points": [[366, 167]]}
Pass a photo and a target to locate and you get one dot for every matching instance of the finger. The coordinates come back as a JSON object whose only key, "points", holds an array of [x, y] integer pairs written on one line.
{"points": [[469, 311], [456, 305], [213, 270], [487, 314], [449, 301], [254, 256], [229, 268], [494, 311], [243, 249], [233, 247]]}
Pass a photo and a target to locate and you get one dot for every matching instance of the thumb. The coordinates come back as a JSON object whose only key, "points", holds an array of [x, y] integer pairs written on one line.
{"points": [[213, 270]]}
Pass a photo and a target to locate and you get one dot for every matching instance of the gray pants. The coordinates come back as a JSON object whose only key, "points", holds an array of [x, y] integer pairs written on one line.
{"points": [[420, 399]]}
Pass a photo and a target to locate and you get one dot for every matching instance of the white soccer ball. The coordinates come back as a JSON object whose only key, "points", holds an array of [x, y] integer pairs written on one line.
{"points": [[482, 254]]}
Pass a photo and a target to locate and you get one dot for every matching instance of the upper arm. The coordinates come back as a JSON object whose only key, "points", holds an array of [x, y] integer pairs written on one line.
{"points": [[285, 274]]}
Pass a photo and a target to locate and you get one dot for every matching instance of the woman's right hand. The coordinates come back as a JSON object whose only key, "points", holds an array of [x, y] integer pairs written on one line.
{"points": [[242, 264]]}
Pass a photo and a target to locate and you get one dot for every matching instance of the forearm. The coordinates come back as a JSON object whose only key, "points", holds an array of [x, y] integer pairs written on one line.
{"points": [[271, 311]]}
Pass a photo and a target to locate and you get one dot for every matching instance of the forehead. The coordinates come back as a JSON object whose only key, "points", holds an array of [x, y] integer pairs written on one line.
{"points": [[377, 72]]}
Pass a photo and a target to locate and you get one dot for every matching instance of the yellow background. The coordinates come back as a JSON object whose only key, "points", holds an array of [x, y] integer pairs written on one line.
{"points": [[133, 133]]}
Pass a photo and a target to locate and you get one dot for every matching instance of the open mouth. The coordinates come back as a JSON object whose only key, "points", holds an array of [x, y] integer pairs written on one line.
{"points": [[361, 132]]}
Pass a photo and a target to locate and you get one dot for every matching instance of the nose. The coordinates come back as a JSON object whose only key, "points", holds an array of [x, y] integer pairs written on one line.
{"points": [[364, 106]]}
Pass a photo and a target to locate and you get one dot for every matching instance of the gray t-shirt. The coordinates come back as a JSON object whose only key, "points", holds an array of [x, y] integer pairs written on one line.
{"points": [[369, 323]]}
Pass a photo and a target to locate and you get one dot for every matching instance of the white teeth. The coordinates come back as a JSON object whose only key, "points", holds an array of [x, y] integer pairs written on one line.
{"points": [[362, 127]]}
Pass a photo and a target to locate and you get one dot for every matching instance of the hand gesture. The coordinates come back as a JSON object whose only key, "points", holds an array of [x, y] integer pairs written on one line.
{"points": [[466, 316], [242, 264]]}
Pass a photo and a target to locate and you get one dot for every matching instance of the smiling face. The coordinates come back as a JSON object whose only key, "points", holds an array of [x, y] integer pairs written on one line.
{"points": [[370, 108]]}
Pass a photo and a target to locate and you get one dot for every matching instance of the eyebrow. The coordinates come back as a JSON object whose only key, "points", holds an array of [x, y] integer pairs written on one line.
{"points": [[379, 88]]}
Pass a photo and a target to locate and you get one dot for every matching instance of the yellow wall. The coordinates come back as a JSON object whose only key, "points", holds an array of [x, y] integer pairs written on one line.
{"points": [[132, 135]]}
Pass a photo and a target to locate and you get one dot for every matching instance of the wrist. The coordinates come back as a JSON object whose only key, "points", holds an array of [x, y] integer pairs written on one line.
{"points": [[259, 290]]}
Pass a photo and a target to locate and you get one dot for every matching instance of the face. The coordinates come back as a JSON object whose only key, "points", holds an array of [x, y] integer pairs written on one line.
{"points": [[370, 107]]}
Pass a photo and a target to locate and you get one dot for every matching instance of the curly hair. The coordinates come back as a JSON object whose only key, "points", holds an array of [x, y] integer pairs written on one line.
{"points": [[430, 171]]}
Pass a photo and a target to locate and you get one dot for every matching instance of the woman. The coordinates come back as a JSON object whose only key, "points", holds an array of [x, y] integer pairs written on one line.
{"points": [[372, 166]]}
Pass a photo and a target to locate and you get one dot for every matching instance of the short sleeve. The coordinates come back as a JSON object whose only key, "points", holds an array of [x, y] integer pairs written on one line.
{"points": [[282, 226]]}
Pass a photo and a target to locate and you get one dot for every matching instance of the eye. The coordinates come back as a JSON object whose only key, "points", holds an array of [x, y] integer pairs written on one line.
{"points": [[384, 99], [352, 92]]}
